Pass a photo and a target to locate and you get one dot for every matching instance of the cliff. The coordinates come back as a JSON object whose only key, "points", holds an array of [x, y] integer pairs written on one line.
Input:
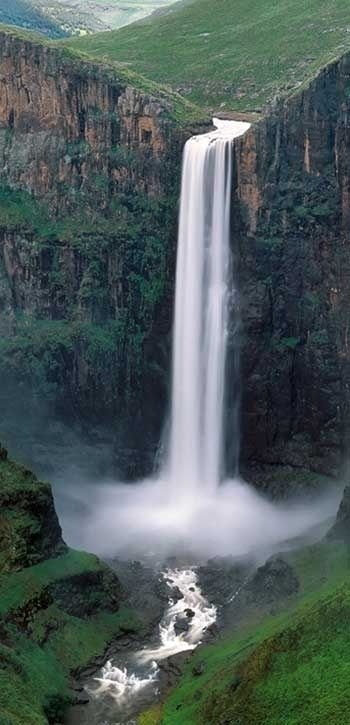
{"points": [[291, 233], [88, 194], [88, 197]]}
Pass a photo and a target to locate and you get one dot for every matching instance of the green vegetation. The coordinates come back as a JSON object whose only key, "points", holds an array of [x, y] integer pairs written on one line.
{"points": [[29, 530], [152, 716], [55, 615], [291, 668], [18, 208], [240, 54], [34, 670], [175, 106], [19, 588]]}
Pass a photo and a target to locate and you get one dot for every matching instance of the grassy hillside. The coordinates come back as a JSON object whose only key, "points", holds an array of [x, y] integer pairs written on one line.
{"points": [[238, 54], [24, 15]]}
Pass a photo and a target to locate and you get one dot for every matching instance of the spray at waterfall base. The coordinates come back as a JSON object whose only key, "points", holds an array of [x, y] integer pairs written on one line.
{"points": [[187, 510]]}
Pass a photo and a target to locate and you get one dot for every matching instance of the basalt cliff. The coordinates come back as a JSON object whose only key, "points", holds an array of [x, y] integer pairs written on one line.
{"points": [[89, 184]]}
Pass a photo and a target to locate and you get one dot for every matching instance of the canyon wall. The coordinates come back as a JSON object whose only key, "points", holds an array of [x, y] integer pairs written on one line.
{"points": [[89, 173], [89, 184], [291, 227]]}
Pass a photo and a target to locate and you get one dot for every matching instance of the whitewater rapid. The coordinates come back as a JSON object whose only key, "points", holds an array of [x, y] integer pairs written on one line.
{"points": [[124, 684]]}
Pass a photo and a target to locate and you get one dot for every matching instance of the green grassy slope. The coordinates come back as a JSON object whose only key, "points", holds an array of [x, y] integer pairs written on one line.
{"points": [[175, 106], [291, 668], [240, 53]]}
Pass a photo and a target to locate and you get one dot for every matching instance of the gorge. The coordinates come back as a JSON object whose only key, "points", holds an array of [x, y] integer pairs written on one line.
{"points": [[176, 362], [167, 516]]}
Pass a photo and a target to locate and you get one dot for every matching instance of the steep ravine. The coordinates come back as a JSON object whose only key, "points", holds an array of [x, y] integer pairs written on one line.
{"points": [[87, 253]]}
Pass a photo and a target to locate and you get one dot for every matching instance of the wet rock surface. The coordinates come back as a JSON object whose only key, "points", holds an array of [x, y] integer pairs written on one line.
{"points": [[147, 591], [273, 581], [221, 577]]}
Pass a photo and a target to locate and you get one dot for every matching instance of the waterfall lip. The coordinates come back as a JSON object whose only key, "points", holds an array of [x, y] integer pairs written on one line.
{"points": [[231, 129], [224, 129]]}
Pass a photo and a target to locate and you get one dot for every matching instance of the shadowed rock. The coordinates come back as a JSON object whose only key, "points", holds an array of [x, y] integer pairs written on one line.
{"points": [[341, 528], [273, 581]]}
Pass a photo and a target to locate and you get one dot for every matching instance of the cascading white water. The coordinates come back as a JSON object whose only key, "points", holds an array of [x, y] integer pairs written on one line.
{"points": [[201, 311], [126, 684]]}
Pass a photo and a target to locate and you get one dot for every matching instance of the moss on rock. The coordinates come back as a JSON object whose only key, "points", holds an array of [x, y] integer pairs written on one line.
{"points": [[29, 527]]}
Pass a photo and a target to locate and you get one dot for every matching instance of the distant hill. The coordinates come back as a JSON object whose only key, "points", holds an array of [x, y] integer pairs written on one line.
{"points": [[81, 17], [24, 15], [231, 54]]}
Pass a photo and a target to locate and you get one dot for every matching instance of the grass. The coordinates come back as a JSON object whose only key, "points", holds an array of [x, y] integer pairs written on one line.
{"points": [[175, 106], [292, 668], [23, 663], [17, 589], [237, 55], [43, 643], [34, 672]]}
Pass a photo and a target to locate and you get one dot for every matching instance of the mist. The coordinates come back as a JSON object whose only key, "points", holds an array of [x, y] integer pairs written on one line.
{"points": [[151, 519]]}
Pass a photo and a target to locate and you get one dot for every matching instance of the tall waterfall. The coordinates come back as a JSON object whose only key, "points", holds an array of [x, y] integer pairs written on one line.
{"points": [[201, 311], [182, 510]]}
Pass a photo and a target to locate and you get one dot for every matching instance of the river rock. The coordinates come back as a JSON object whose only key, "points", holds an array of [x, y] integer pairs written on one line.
{"points": [[181, 625], [190, 613], [147, 591], [81, 698]]}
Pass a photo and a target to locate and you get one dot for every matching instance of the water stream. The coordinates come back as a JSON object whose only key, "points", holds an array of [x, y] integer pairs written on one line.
{"points": [[125, 686], [193, 466]]}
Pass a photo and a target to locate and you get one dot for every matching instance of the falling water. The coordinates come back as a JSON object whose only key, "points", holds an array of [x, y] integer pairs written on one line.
{"points": [[144, 518], [201, 311]]}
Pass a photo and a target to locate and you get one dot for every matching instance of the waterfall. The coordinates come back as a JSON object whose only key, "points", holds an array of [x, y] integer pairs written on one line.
{"points": [[202, 311]]}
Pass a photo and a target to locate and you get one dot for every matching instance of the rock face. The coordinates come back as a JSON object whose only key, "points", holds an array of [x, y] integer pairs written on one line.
{"points": [[341, 528], [88, 168], [90, 178], [291, 231], [273, 581]]}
